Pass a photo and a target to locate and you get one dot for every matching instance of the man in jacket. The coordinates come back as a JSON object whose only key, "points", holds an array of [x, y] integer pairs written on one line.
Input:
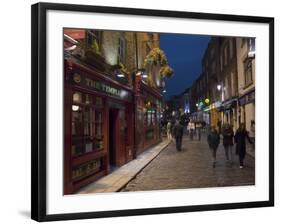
{"points": [[240, 139], [213, 142], [178, 133], [228, 135]]}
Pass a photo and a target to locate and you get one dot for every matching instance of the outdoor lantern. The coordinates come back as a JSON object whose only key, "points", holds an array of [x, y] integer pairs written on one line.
{"points": [[219, 87], [207, 101], [120, 75], [75, 107], [144, 75]]}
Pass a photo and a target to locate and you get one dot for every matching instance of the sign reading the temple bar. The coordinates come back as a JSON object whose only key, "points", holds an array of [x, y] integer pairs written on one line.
{"points": [[91, 84]]}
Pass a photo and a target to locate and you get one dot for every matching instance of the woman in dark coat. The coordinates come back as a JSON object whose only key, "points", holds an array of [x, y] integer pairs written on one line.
{"points": [[240, 140], [213, 142], [228, 141]]}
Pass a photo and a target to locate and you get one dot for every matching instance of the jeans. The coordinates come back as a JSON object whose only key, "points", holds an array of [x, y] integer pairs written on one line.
{"points": [[191, 133], [228, 152], [178, 143], [241, 160], [214, 153]]}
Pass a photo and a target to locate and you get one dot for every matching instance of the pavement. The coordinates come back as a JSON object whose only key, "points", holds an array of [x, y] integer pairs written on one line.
{"points": [[192, 168], [118, 179]]}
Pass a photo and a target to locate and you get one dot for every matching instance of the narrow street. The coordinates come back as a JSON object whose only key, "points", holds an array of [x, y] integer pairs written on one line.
{"points": [[192, 168]]}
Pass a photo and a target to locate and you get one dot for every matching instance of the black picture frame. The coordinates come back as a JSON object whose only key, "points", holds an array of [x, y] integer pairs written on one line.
{"points": [[39, 122]]}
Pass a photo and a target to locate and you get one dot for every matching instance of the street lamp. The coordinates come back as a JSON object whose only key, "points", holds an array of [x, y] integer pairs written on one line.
{"points": [[221, 88]]}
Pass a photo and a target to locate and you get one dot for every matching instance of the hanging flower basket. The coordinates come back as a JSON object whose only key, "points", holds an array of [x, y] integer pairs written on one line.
{"points": [[166, 71], [155, 56]]}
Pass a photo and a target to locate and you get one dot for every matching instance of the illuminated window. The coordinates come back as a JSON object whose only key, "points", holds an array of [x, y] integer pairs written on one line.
{"points": [[86, 124]]}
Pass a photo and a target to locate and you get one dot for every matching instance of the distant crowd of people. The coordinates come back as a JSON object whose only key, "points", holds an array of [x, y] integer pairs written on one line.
{"points": [[175, 131]]}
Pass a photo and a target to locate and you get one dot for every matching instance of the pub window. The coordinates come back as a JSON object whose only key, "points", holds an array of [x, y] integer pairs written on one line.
{"points": [[86, 124], [248, 72], [153, 117], [145, 118], [148, 116]]}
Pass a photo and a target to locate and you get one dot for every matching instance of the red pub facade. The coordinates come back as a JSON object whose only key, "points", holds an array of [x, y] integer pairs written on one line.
{"points": [[98, 118]]}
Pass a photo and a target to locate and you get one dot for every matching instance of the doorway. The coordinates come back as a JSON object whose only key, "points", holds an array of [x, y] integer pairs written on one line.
{"points": [[113, 114]]}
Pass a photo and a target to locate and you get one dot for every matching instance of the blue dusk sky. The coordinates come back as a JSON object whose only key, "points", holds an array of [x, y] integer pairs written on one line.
{"points": [[184, 53]]}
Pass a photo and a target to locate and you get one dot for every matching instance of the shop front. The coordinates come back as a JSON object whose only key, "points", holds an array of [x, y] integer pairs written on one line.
{"points": [[247, 108], [98, 125], [230, 112], [215, 114], [148, 112]]}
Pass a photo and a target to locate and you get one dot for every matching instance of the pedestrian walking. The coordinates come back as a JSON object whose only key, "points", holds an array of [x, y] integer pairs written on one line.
{"points": [[169, 130], [228, 135], [191, 128], [213, 142], [178, 133], [240, 140]]}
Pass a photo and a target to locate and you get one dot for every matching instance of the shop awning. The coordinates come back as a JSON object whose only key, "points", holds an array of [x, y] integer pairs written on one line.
{"points": [[227, 105]]}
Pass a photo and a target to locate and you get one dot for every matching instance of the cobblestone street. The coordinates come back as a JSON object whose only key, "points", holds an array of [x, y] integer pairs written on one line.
{"points": [[192, 168]]}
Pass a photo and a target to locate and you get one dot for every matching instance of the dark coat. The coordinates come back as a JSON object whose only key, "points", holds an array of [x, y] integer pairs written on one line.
{"points": [[228, 136], [240, 140], [213, 139], [178, 130]]}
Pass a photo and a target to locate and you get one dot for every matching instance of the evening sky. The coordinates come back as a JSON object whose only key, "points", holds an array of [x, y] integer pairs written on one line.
{"points": [[184, 53]]}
